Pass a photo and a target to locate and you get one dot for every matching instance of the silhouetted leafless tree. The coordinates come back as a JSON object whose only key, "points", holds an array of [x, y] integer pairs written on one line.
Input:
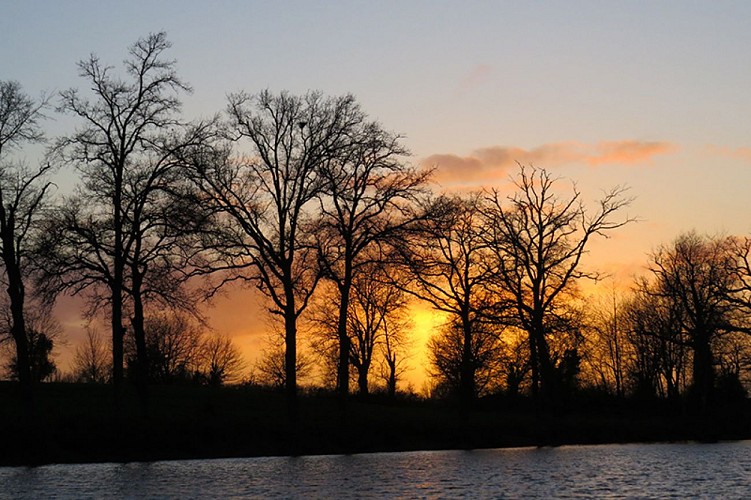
{"points": [[264, 200], [539, 239], [740, 294], [115, 238], [42, 334], [396, 342], [173, 343], [514, 362], [92, 359], [220, 360], [448, 357], [22, 193], [271, 367], [659, 349], [607, 349], [447, 260], [368, 198], [375, 328], [695, 275]]}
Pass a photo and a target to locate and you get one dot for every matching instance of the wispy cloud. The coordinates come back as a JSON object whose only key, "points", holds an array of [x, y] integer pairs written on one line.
{"points": [[743, 154], [493, 163], [477, 76], [628, 152]]}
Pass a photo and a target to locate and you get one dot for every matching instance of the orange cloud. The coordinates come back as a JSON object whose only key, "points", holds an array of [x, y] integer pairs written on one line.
{"points": [[628, 152], [493, 163], [743, 154]]}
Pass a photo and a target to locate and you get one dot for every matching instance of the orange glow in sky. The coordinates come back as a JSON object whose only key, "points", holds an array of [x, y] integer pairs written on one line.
{"points": [[654, 97]]}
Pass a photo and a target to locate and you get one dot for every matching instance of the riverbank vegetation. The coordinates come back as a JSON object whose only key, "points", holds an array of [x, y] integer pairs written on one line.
{"points": [[315, 205], [81, 423]]}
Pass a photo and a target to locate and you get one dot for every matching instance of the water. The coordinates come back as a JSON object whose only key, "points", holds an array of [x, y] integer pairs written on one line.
{"points": [[623, 471]]}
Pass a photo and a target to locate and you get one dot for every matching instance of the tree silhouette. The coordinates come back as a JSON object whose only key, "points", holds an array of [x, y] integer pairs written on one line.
{"points": [[40, 362], [449, 359], [271, 368], [220, 361], [660, 350], [368, 199], [695, 275], [92, 359], [447, 260], [173, 344], [608, 348], [115, 239], [22, 194], [263, 202], [375, 328], [538, 239]]}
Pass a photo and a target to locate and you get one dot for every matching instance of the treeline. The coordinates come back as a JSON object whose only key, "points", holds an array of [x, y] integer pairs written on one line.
{"points": [[315, 204]]}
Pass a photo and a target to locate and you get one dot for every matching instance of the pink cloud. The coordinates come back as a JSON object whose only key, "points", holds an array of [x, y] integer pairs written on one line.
{"points": [[493, 163]]}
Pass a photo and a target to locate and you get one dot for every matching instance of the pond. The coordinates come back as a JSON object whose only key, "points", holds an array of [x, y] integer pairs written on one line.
{"points": [[636, 470]]}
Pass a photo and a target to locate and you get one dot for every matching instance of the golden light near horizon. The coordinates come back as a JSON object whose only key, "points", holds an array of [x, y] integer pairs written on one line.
{"points": [[426, 321]]}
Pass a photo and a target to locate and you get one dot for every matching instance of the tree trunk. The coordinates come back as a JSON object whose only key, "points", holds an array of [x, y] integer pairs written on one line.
{"points": [[546, 375], [117, 339], [16, 296], [391, 383], [467, 375], [117, 287], [362, 380], [535, 365], [290, 354], [703, 376], [139, 334], [342, 374], [548, 385]]}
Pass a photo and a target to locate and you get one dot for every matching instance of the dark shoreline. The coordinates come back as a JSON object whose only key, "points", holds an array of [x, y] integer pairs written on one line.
{"points": [[78, 424]]}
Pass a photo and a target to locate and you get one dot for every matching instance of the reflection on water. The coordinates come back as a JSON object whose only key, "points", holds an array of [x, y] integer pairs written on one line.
{"points": [[653, 470]]}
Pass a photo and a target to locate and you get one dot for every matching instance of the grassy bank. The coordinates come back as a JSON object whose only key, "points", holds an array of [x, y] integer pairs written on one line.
{"points": [[80, 423]]}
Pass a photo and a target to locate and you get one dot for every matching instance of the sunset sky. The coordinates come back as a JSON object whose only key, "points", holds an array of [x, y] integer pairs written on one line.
{"points": [[656, 96]]}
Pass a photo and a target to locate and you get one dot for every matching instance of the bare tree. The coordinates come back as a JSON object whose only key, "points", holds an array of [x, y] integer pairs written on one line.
{"points": [[514, 361], [396, 343], [539, 239], [659, 350], [448, 357], [220, 360], [43, 333], [92, 359], [263, 201], [740, 294], [607, 345], [447, 260], [114, 239], [22, 193], [272, 365], [173, 343], [375, 328], [696, 276], [369, 198], [732, 355]]}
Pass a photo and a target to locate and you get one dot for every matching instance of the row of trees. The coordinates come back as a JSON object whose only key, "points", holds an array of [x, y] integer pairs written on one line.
{"points": [[315, 204], [507, 268], [161, 200], [683, 328]]}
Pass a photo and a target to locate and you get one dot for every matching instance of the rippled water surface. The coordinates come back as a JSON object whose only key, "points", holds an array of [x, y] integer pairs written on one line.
{"points": [[651, 470]]}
